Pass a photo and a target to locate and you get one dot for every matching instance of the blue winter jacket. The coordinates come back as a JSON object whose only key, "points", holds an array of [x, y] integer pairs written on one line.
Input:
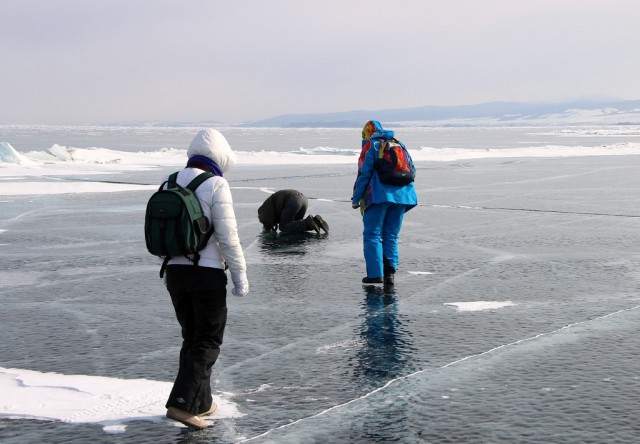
{"points": [[368, 190]]}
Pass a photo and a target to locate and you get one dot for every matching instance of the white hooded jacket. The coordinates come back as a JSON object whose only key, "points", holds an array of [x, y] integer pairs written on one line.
{"points": [[215, 198]]}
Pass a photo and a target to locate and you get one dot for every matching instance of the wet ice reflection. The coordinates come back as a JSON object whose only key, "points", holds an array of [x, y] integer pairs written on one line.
{"points": [[385, 343], [275, 243]]}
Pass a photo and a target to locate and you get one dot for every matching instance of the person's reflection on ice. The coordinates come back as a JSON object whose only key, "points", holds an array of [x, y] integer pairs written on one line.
{"points": [[384, 351]]}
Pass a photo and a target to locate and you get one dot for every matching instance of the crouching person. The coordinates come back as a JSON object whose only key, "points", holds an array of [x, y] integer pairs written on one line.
{"points": [[285, 209]]}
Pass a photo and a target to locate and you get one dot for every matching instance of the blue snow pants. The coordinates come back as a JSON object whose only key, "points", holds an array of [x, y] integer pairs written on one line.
{"points": [[382, 224]]}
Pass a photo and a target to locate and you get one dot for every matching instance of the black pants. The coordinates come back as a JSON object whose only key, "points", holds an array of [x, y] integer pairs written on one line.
{"points": [[199, 297], [291, 218]]}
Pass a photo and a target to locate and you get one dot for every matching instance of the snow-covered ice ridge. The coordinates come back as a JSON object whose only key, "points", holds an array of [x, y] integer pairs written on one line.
{"points": [[16, 168], [112, 159]]}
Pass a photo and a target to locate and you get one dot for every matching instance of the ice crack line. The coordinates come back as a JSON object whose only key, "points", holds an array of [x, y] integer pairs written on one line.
{"points": [[533, 210], [80, 179], [450, 364], [7, 222], [530, 210]]}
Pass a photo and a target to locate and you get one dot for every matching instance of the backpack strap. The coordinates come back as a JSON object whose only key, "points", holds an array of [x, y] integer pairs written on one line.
{"points": [[193, 185], [383, 146], [164, 266], [172, 180]]}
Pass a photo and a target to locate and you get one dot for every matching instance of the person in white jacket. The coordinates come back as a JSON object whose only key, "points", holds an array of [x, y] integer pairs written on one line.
{"points": [[198, 292]]}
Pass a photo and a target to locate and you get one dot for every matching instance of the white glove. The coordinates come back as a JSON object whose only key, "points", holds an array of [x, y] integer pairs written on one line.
{"points": [[240, 284], [240, 290]]}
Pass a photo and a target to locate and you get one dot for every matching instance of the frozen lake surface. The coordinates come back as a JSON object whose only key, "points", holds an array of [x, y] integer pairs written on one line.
{"points": [[515, 316]]}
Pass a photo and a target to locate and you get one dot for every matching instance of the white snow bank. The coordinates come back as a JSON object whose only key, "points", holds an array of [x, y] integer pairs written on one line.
{"points": [[110, 402], [548, 151], [95, 160], [480, 305], [52, 165]]}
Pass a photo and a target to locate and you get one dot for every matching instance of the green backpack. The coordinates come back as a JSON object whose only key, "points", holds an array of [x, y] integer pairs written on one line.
{"points": [[174, 223]]}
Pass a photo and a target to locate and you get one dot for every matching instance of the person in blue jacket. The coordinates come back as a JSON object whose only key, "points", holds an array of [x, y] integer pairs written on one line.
{"points": [[383, 207]]}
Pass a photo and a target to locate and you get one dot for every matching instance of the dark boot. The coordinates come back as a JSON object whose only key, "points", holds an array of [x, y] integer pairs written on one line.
{"points": [[389, 272], [311, 225], [321, 223]]}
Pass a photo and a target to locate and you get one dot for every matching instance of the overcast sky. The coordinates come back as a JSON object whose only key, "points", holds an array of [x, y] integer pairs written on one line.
{"points": [[101, 61]]}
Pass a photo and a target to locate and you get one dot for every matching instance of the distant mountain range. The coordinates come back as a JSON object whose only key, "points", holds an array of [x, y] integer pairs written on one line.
{"points": [[493, 114], [594, 112]]}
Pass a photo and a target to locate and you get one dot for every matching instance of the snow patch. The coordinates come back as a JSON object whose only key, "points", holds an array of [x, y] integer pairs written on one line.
{"points": [[480, 305], [346, 344], [110, 402]]}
